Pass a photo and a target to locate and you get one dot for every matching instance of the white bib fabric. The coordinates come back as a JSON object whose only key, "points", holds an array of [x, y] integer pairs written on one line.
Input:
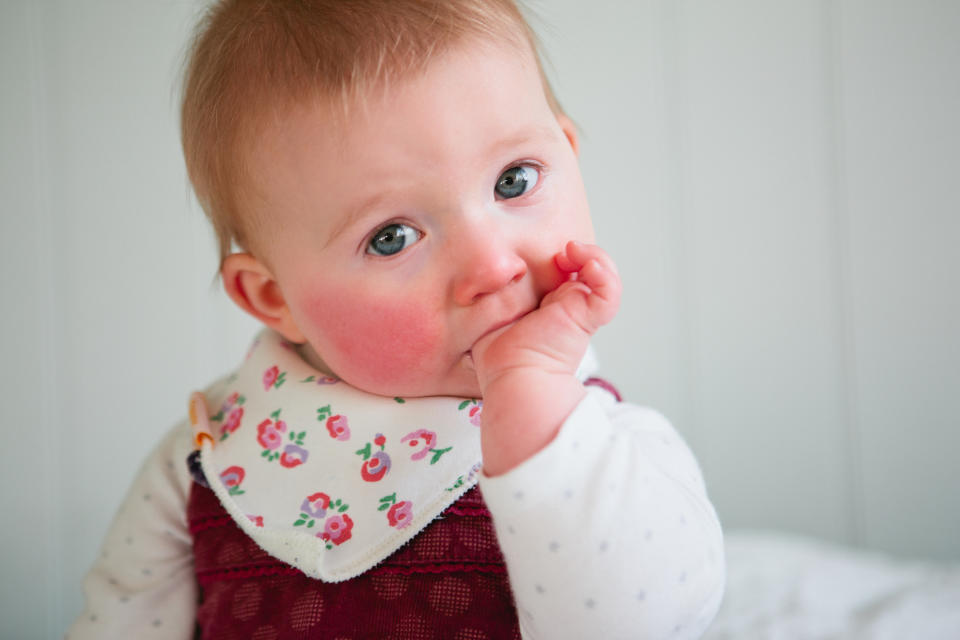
{"points": [[327, 478]]}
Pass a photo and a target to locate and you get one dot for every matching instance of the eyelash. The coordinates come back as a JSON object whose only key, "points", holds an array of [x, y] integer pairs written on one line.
{"points": [[540, 168], [379, 229]]}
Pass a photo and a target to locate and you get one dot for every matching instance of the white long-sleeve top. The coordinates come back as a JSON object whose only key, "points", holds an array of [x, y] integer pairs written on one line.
{"points": [[606, 532]]}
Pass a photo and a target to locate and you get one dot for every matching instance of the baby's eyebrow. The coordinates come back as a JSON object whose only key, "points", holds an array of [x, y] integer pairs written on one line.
{"points": [[522, 137], [354, 212]]}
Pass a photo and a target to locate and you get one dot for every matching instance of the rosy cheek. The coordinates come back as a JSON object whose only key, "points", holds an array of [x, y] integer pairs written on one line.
{"points": [[371, 342]]}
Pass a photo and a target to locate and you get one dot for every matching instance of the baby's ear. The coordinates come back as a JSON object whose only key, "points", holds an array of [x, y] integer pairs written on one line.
{"points": [[569, 130], [253, 288]]}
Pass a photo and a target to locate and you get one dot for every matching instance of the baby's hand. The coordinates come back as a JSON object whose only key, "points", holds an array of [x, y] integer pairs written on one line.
{"points": [[526, 369], [553, 338]]}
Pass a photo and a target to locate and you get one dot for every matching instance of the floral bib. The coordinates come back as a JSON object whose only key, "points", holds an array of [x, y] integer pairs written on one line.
{"points": [[327, 478]]}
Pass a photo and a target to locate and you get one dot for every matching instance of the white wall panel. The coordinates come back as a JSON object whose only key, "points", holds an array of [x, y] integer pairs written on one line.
{"points": [[901, 97], [757, 224], [33, 520]]}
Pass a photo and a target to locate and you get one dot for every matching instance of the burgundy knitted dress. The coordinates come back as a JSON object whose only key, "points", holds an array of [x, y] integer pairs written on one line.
{"points": [[448, 583]]}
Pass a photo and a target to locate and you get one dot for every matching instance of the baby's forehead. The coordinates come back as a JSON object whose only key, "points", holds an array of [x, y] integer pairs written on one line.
{"points": [[337, 116]]}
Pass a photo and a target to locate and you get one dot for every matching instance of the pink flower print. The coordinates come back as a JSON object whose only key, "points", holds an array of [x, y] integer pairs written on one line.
{"points": [[270, 376], [315, 508], [337, 530], [400, 514], [233, 410], [232, 423], [475, 407], [273, 377], [475, 415], [426, 440], [376, 464], [231, 477], [270, 434], [293, 456], [315, 505], [375, 467], [256, 520], [338, 427], [327, 380], [420, 438]]}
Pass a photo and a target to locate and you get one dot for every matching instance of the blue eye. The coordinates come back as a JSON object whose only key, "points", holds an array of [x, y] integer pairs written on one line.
{"points": [[516, 181], [392, 239]]}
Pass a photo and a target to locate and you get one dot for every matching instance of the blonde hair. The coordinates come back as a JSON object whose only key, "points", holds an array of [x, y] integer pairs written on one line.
{"points": [[249, 59]]}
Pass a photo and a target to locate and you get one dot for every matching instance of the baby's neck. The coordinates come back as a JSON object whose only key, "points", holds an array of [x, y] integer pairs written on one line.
{"points": [[313, 358]]}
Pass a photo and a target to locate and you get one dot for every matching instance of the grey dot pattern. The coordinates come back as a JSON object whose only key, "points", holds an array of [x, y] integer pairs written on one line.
{"points": [[639, 542]]}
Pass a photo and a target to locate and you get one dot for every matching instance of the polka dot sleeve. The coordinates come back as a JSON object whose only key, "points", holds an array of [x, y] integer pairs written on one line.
{"points": [[142, 584], [608, 531]]}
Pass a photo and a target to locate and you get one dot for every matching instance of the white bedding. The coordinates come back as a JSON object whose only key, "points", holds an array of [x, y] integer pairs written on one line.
{"points": [[786, 587]]}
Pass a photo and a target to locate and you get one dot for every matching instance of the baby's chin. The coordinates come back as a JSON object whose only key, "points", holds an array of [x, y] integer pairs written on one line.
{"points": [[460, 381]]}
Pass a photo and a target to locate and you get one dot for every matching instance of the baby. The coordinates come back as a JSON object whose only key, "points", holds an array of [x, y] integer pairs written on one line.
{"points": [[413, 446]]}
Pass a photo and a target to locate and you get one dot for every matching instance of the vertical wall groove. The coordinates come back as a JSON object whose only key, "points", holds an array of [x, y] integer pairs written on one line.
{"points": [[835, 176], [48, 346], [674, 149]]}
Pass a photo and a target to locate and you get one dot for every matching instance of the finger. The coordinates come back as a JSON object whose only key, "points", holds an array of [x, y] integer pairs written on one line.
{"points": [[579, 253], [565, 289], [602, 282], [564, 263]]}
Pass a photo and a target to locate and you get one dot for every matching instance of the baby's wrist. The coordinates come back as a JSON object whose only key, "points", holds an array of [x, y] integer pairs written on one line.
{"points": [[522, 413]]}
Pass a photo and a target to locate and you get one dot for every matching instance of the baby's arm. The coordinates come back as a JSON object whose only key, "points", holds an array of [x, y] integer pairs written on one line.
{"points": [[608, 532], [527, 370], [142, 585], [600, 508]]}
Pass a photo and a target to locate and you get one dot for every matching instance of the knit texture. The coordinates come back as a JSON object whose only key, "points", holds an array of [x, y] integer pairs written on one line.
{"points": [[449, 582]]}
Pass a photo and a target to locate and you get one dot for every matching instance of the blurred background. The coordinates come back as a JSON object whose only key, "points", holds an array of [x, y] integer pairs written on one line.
{"points": [[779, 182]]}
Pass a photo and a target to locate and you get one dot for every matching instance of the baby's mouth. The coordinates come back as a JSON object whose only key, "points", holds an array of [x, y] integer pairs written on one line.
{"points": [[468, 361]]}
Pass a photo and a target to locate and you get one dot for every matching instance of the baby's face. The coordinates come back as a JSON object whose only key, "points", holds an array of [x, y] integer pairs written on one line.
{"points": [[427, 221]]}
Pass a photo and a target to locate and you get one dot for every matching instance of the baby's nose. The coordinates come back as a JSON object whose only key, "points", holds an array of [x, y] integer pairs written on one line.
{"points": [[486, 268]]}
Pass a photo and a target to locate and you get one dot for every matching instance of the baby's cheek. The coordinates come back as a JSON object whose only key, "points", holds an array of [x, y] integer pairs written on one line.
{"points": [[374, 344]]}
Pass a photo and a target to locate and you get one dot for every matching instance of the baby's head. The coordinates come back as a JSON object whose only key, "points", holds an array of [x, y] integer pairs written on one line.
{"points": [[396, 175]]}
